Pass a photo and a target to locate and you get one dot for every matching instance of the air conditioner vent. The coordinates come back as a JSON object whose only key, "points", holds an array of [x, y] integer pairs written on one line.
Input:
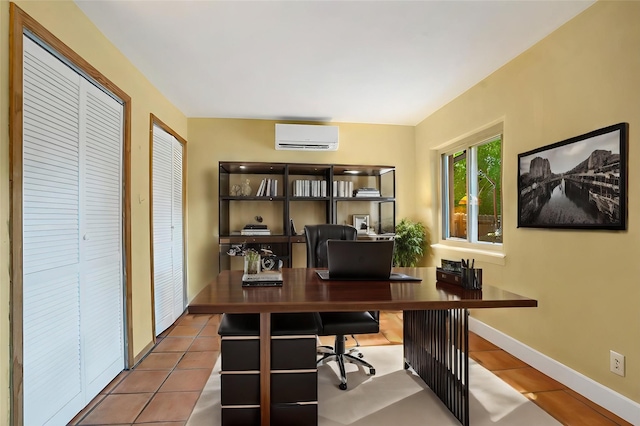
{"points": [[306, 137]]}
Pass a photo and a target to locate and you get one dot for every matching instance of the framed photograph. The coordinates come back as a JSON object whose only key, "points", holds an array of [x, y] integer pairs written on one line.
{"points": [[578, 183], [361, 223]]}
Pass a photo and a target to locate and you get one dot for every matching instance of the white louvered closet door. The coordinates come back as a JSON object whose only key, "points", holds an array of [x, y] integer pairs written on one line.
{"points": [[72, 322], [101, 256], [168, 268]]}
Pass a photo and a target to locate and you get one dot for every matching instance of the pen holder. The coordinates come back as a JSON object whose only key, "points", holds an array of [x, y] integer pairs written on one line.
{"points": [[472, 278]]}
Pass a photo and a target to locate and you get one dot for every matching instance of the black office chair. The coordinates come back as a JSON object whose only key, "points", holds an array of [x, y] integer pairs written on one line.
{"points": [[339, 324]]}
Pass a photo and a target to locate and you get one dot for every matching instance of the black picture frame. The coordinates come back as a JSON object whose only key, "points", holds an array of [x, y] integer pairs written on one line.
{"points": [[293, 228], [578, 183]]}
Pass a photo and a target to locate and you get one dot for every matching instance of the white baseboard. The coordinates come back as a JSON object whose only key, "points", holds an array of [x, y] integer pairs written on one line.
{"points": [[618, 404]]}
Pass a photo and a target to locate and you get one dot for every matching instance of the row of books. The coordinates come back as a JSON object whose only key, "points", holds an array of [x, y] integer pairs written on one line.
{"points": [[268, 188], [309, 188], [315, 188], [342, 188]]}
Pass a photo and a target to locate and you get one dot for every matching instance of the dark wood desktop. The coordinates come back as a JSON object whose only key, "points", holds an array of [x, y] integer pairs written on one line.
{"points": [[435, 319]]}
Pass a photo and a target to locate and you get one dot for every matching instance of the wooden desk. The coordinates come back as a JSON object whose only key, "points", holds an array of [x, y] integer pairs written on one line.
{"points": [[435, 319]]}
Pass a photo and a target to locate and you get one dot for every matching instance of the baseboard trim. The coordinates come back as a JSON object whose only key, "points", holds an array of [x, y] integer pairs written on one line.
{"points": [[618, 404]]}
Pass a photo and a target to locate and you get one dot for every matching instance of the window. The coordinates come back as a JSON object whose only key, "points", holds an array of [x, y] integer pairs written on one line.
{"points": [[472, 191]]}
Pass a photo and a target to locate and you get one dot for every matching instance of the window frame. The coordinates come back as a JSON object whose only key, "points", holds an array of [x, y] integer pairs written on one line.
{"points": [[469, 144]]}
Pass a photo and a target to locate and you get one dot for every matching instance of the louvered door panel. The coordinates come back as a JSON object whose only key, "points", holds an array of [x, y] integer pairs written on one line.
{"points": [[101, 270], [162, 234], [51, 299], [72, 239], [177, 228]]}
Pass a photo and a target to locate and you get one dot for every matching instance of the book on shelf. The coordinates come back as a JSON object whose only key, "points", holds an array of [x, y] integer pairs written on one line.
{"points": [[255, 232], [255, 226], [268, 188], [366, 192]]}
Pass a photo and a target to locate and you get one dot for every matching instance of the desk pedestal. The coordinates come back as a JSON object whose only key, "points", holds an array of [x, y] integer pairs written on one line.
{"points": [[436, 344]]}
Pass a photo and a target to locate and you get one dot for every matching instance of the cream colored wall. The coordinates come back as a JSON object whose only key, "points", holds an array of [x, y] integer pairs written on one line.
{"points": [[213, 140], [65, 20], [584, 76]]}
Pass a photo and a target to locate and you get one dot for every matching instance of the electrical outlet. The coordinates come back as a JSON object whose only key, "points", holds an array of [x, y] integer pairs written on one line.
{"points": [[616, 363]]}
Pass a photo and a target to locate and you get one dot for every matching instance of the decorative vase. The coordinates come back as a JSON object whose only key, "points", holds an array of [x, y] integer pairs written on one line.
{"points": [[251, 262]]}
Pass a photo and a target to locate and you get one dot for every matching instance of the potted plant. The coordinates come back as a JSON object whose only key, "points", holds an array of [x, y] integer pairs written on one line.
{"points": [[411, 242]]}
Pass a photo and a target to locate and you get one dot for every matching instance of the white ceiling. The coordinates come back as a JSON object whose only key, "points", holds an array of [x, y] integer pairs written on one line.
{"points": [[386, 62]]}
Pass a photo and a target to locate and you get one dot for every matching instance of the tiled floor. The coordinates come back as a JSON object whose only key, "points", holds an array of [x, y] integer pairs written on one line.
{"points": [[163, 389]]}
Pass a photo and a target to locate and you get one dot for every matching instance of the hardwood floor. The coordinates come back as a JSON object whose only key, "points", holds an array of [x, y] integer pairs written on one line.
{"points": [[163, 389]]}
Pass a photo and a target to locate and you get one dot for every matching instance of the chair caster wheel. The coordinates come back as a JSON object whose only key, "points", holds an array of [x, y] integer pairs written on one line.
{"points": [[343, 386], [372, 371]]}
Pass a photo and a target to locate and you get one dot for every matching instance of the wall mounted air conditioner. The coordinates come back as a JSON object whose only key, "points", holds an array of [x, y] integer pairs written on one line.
{"points": [[307, 137]]}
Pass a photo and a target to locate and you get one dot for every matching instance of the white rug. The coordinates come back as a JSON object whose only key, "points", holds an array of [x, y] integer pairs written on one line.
{"points": [[394, 396]]}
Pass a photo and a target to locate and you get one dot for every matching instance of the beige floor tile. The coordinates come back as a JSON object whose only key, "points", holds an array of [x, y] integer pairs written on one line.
{"points": [[193, 319], [169, 407], [204, 359], [115, 382], [174, 344], [160, 361], [94, 402], [205, 344], [186, 380], [139, 381], [117, 409], [185, 330], [209, 331]]}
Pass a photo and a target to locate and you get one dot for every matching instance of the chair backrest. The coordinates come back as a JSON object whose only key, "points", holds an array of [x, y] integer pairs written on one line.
{"points": [[317, 236]]}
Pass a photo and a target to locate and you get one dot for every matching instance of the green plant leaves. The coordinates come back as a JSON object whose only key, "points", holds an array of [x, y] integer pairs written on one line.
{"points": [[410, 243]]}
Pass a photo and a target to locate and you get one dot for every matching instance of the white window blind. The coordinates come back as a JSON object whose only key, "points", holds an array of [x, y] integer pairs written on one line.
{"points": [[72, 250]]}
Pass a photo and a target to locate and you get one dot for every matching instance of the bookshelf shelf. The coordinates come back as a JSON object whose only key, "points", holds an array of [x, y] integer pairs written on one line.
{"points": [[294, 200]]}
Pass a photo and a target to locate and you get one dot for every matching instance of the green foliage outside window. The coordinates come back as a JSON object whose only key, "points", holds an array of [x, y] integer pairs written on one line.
{"points": [[489, 167]]}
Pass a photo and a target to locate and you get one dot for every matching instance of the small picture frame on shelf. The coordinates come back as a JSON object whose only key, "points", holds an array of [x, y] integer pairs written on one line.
{"points": [[293, 228], [361, 223]]}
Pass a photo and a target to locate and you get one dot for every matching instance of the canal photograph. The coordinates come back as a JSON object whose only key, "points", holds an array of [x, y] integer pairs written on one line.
{"points": [[576, 183]]}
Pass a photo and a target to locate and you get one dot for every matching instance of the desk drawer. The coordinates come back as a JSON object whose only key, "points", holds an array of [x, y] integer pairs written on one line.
{"points": [[240, 354], [293, 353], [240, 389], [245, 416], [294, 414], [291, 387]]}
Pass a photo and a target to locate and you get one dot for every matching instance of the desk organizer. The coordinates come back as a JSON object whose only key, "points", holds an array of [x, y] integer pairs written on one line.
{"points": [[448, 276], [472, 278], [453, 272]]}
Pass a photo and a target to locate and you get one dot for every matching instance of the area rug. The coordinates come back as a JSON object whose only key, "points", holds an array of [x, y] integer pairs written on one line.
{"points": [[394, 396]]}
